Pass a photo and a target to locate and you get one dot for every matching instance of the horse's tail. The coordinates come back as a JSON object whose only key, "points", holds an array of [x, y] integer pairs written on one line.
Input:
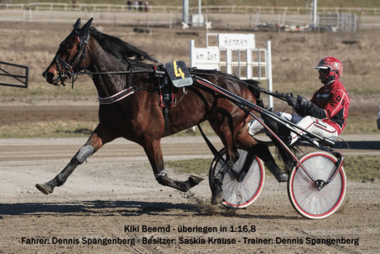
{"points": [[255, 88], [279, 129]]}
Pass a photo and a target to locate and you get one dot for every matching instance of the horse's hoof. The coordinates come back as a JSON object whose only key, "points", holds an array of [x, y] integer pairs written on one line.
{"points": [[195, 180], [217, 193], [183, 186], [44, 188], [217, 199]]}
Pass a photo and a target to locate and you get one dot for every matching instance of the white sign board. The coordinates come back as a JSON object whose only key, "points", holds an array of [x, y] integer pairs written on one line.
{"points": [[236, 41], [204, 58]]}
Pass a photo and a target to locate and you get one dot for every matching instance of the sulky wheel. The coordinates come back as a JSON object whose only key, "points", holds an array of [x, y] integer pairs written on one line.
{"points": [[303, 193], [243, 184]]}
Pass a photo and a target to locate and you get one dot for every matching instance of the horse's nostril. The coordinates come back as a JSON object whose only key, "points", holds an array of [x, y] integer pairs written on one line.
{"points": [[49, 75], [44, 74]]}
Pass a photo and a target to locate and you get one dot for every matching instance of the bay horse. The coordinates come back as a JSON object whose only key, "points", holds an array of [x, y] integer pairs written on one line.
{"points": [[139, 117]]}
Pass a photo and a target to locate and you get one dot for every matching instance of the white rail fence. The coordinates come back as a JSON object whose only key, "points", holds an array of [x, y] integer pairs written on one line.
{"points": [[178, 9]]}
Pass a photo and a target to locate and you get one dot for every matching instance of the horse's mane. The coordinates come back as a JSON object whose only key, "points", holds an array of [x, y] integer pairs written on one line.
{"points": [[121, 49]]}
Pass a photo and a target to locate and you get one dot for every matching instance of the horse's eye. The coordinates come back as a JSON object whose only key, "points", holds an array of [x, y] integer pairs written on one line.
{"points": [[69, 47]]}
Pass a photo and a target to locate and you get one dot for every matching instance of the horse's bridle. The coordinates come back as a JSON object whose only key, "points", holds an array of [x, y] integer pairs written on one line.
{"points": [[80, 55]]}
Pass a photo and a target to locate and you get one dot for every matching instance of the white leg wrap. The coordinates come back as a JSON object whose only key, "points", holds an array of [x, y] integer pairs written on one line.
{"points": [[254, 127], [162, 173], [84, 153]]}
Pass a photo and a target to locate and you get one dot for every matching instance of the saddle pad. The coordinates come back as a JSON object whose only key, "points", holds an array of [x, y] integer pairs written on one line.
{"points": [[179, 74]]}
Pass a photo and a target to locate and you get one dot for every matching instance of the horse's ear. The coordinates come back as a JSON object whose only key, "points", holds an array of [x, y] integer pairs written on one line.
{"points": [[77, 25], [85, 28]]}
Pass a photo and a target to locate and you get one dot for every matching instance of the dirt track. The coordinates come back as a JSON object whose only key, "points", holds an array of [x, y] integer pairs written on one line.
{"points": [[116, 188]]}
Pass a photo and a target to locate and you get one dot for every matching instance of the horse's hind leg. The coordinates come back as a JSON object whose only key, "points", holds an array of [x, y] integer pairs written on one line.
{"points": [[97, 139], [153, 150], [225, 132], [248, 143]]}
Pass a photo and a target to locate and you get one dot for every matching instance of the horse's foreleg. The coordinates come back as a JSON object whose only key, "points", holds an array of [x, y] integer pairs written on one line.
{"points": [[153, 151], [97, 139]]}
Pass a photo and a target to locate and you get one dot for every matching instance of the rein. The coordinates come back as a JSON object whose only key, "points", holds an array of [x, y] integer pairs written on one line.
{"points": [[67, 70], [122, 94], [79, 57], [276, 94], [70, 74]]}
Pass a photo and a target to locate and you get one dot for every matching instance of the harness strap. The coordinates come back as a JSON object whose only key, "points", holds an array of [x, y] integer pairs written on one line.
{"points": [[165, 101], [129, 76], [117, 97], [123, 94]]}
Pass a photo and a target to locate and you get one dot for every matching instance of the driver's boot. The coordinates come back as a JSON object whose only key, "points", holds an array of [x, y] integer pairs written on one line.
{"points": [[280, 175]]}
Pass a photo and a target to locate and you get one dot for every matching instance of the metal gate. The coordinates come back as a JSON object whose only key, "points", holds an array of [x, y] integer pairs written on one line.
{"points": [[14, 75]]}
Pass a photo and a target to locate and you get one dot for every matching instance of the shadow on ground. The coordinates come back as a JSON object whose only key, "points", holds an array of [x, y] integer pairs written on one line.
{"points": [[124, 208], [128, 208]]}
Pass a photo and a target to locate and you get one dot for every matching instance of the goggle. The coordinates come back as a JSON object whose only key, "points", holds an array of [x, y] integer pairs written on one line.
{"points": [[323, 71]]}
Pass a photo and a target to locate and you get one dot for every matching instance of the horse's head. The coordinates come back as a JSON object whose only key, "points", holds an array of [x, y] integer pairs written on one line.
{"points": [[71, 55]]}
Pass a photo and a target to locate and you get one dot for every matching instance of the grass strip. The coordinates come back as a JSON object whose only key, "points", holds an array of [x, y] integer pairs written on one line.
{"points": [[54, 129], [357, 167]]}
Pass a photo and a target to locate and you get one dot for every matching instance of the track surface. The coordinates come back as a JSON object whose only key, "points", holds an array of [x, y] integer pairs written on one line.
{"points": [[116, 188]]}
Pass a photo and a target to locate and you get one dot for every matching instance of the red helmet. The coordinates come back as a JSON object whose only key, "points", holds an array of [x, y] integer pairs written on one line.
{"points": [[333, 64]]}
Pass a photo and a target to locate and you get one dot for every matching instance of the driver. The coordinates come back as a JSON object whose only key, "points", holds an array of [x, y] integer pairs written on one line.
{"points": [[324, 115]]}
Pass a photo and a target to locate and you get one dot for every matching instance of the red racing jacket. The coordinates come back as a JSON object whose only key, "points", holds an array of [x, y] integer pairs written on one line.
{"points": [[335, 101]]}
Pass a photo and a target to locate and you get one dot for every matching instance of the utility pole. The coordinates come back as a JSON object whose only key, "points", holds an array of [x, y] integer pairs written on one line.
{"points": [[200, 20], [315, 14], [185, 12], [199, 8]]}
